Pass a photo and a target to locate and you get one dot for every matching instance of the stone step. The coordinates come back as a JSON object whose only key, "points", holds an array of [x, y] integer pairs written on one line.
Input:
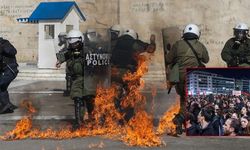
{"points": [[36, 74], [61, 77], [31, 72], [48, 73]]}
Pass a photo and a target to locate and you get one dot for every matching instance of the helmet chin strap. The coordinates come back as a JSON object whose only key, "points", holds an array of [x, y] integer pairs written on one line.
{"points": [[190, 36]]}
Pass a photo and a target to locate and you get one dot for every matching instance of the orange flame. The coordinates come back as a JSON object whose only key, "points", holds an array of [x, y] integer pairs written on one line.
{"points": [[21, 130], [28, 105], [134, 98], [138, 131], [141, 70], [166, 124], [23, 126], [105, 107]]}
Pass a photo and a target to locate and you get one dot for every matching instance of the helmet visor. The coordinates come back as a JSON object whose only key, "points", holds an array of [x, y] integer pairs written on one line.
{"points": [[240, 35], [74, 39], [114, 34]]}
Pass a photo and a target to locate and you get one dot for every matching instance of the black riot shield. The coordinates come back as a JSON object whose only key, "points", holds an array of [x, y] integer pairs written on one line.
{"points": [[97, 54]]}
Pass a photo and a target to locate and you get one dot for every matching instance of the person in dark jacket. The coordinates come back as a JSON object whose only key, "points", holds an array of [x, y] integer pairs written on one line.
{"points": [[239, 105], [205, 119], [125, 52], [192, 129], [8, 72], [218, 121]]}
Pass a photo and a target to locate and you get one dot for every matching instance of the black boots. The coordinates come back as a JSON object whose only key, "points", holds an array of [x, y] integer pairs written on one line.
{"points": [[5, 105], [80, 104], [7, 108], [79, 111], [89, 100]]}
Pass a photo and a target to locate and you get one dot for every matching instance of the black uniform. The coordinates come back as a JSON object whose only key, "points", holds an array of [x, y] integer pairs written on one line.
{"points": [[125, 51], [123, 60], [208, 131], [236, 54], [8, 72]]}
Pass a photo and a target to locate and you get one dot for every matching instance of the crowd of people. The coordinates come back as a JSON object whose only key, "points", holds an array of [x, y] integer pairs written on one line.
{"points": [[217, 115]]}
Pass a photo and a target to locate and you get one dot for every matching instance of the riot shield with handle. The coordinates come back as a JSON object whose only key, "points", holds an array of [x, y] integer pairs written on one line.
{"points": [[97, 72], [169, 35], [97, 54]]}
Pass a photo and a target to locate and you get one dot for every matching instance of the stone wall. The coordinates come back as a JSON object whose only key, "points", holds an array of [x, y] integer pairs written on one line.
{"points": [[100, 14], [24, 37], [216, 19]]}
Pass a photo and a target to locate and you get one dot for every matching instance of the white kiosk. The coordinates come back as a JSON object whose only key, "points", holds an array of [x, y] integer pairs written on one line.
{"points": [[53, 18]]}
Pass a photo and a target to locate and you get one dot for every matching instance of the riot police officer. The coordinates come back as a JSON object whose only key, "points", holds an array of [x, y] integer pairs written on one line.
{"points": [[123, 59], [96, 67], [183, 54], [64, 44], [236, 52], [116, 31], [74, 56], [85, 62], [8, 72]]}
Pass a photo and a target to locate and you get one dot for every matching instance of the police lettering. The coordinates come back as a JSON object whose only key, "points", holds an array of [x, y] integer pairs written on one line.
{"points": [[94, 59]]}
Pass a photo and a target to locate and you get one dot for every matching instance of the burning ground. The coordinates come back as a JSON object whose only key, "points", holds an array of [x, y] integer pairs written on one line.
{"points": [[139, 131]]}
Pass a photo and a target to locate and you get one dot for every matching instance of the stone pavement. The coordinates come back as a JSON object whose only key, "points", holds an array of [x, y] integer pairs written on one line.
{"points": [[44, 88], [53, 108], [47, 97]]}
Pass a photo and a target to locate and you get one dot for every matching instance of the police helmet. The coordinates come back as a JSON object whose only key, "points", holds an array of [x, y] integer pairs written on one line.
{"points": [[241, 31], [117, 29], [75, 36], [92, 35], [192, 28], [62, 34], [62, 38], [131, 33], [241, 26]]}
